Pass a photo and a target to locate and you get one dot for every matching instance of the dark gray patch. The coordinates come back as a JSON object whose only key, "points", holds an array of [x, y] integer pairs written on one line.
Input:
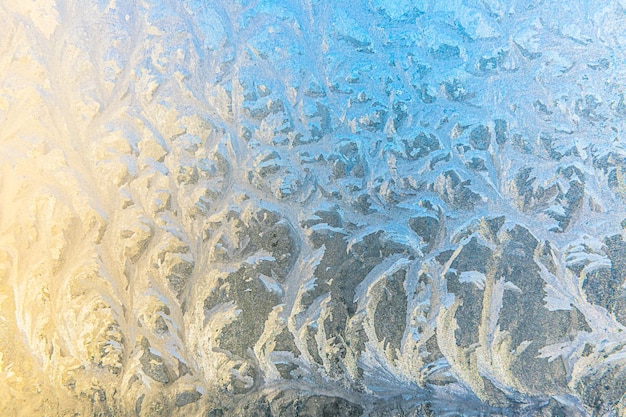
{"points": [[427, 227], [602, 391], [604, 286], [285, 342], [480, 138], [186, 397], [472, 257], [216, 412], [285, 369], [391, 310], [476, 164], [516, 264], [420, 146], [501, 130], [154, 366], [255, 303], [319, 406]]}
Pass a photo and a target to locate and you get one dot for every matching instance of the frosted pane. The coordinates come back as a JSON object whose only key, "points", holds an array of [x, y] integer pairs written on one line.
{"points": [[312, 208]]}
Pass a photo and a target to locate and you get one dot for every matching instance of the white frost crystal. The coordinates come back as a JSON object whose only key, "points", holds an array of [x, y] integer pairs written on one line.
{"points": [[312, 208]]}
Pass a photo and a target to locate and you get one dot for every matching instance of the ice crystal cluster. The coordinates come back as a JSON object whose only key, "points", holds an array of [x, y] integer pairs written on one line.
{"points": [[216, 208]]}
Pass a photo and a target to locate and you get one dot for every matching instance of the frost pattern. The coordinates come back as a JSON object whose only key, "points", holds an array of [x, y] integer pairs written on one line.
{"points": [[294, 208]]}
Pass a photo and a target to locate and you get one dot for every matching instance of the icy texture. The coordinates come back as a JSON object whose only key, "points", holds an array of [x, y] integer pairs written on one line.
{"points": [[314, 208]]}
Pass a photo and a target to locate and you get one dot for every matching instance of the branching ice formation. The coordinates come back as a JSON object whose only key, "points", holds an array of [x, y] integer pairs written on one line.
{"points": [[311, 208]]}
